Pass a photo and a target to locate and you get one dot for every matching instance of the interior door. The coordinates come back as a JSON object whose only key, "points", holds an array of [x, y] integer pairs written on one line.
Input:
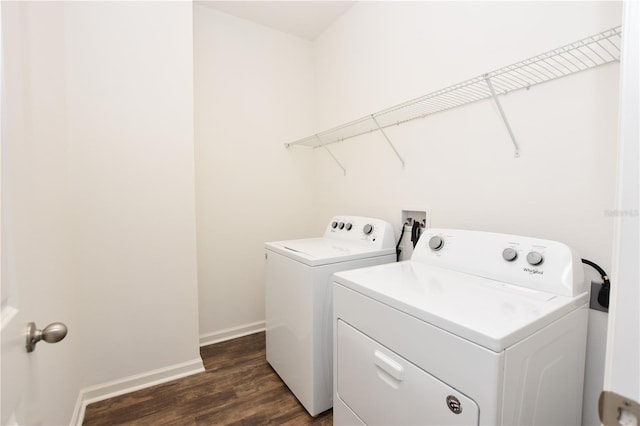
{"points": [[14, 369], [14, 372], [620, 401], [35, 270]]}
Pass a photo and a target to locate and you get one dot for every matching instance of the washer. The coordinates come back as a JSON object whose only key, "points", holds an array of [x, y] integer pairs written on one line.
{"points": [[298, 300], [477, 328]]}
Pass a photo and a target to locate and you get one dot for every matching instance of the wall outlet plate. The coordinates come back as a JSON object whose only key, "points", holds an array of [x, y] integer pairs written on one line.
{"points": [[408, 218], [422, 216]]}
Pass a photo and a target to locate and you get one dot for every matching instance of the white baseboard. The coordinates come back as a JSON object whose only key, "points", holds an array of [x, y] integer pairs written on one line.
{"points": [[132, 383], [140, 381], [231, 333]]}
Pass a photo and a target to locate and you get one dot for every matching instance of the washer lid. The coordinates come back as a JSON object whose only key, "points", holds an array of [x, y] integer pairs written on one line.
{"points": [[490, 313], [323, 251]]}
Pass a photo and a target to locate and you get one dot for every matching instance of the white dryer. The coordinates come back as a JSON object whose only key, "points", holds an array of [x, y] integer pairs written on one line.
{"points": [[476, 329], [298, 300]]}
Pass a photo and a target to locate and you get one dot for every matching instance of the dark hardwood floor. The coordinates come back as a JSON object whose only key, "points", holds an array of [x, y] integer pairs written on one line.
{"points": [[237, 388]]}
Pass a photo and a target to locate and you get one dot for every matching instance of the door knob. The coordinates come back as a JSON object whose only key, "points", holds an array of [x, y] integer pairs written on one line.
{"points": [[52, 333]]}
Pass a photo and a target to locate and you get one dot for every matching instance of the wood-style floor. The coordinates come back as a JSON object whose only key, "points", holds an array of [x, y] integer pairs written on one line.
{"points": [[237, 388]]}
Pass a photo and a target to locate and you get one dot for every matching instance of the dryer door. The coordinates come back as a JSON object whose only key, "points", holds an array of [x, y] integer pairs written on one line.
{"points": [[382, 388]]}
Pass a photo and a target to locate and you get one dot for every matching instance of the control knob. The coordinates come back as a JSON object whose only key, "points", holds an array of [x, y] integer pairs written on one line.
{"points": [[367, 229], [436, 243], [534, 258], [334, 224], [341, 225], [349, 226], [509, 254]]}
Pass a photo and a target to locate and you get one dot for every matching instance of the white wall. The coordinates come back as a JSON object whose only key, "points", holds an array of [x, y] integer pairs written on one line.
{"points": [[253, 93], [101, 179], [460, 163], [130, 156]]}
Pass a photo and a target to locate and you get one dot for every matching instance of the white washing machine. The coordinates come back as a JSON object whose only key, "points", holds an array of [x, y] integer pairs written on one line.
{"points": [[298, 300], [476, 329]]}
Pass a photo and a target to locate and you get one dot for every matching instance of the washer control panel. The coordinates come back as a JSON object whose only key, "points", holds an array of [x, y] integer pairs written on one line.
{"points": [[538, 264], [376, 233]]}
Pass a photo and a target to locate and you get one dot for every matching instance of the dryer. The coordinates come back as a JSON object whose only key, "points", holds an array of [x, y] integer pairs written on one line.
{"points": [[477, 328], [298, 300]]}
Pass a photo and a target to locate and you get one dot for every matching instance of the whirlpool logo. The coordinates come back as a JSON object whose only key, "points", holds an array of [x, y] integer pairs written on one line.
{"points": [[532, 271]]}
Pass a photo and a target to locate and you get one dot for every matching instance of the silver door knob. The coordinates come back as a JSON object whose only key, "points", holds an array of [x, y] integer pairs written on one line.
{"points": [[52, 333]]}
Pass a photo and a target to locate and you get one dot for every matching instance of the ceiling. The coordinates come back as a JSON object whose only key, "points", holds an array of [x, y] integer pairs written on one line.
{"points": [[306, 19]]}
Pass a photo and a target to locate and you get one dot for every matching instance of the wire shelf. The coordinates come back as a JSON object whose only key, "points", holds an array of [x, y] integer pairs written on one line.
{"points": [[590, 52]]}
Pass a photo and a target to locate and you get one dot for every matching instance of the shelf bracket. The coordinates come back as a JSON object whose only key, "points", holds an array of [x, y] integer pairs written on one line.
{"points": [[373, 117], [344, 171], [503, 115]]}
